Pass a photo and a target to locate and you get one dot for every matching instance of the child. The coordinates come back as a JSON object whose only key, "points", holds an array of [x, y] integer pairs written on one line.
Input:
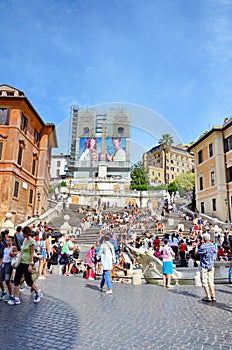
{"points": [[6, 268]]}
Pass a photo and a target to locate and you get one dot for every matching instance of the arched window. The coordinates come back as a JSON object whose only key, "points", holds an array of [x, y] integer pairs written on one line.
{"points": [[120, 130], [86, 131]]}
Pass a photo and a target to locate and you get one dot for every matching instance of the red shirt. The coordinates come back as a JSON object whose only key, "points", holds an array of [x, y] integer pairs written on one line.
{"points": [[182, 247]]}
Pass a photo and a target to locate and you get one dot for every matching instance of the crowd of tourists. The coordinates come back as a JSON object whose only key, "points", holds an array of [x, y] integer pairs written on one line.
{"points": [[110, 257]]}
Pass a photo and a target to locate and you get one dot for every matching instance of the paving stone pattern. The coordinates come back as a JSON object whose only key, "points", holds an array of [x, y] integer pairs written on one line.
{"points": [[75, 315]]}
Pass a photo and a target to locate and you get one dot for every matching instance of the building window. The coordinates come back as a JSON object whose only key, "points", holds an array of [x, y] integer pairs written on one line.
{"points": [[177, 170], [36, 138], [31, 197], [212, 178], [4, 116], [20, 155], [200, 157], [229, 174], [172, 168], [214, 204], [58, 172], [58, 163], [210, 150], [172, 177], [24, 123], [201, 183], [100, 120], [120, 130], [1, 146], [202, 207], [228, 144], [167, 167], [16, 189], [33, 166], [86, 131], [153, 173]]}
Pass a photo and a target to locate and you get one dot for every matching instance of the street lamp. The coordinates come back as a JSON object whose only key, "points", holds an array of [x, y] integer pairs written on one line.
{"points": [[227, 214], [38, 202], [70, 183]]}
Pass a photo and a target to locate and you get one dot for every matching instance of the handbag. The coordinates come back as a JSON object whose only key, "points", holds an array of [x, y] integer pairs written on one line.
{"points": [[16, 260]]}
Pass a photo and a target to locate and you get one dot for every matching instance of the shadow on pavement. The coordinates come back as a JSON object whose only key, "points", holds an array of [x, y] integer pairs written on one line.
{"points": [[221, 306], [51, 324], [92, 286]]}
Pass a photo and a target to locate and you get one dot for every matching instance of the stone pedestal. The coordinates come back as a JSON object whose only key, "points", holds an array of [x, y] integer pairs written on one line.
{"points": [[197, 279], [137, 276], [8, 225], [66, 229]]}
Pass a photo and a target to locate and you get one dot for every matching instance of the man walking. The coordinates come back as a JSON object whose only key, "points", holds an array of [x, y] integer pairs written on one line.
{"points": [[207, 254], [107, 256]]}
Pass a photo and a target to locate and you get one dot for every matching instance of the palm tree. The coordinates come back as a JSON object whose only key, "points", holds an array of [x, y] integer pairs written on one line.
{"points": [[166, 142]]}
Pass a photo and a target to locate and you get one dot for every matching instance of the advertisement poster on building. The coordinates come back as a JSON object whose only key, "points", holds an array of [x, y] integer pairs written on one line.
{"points": [[92, 149]]}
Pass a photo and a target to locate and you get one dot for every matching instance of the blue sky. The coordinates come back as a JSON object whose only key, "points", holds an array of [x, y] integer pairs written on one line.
{"points": [[170, 56]]}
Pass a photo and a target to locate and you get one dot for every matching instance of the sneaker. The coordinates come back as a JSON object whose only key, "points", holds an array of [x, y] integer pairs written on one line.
{"points": [[14, 301], [38, 297], [100, 288], [171, 286], [3, 295], [22, 289], [109, 292], [41, 278], [91, 279], [9, 298]]}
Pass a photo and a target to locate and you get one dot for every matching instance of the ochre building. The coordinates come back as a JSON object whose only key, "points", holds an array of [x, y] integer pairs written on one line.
{"points": [[213, 171], [179, 161], [25, 153]]}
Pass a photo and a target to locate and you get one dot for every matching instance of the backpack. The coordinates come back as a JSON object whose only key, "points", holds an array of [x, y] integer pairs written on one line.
{"points": [[2, 247]]}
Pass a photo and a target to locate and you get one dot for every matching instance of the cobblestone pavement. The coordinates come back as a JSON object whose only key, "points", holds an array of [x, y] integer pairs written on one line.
{"points": [[75, 315]]}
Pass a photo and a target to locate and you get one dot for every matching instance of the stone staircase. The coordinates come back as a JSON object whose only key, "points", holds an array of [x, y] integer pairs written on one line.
{"points": [[90, 236]]}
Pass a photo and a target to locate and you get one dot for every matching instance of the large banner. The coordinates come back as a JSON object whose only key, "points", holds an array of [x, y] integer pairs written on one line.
{"points": [[114, 149]]}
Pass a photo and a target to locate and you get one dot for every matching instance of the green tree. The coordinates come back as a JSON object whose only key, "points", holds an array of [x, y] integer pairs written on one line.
{"points": [[185, 183], [166, 142], [172, 187], [139, 178]]}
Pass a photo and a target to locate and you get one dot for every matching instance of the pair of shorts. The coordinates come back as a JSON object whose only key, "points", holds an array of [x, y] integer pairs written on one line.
{"points": [[167, 268], [44, 254], [5, 272], [22, 270], [207, 277]]}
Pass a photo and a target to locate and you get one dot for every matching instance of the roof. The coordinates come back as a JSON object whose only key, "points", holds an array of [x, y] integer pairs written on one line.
{"points": [[173, 149], [9, 92], [206, 134]]}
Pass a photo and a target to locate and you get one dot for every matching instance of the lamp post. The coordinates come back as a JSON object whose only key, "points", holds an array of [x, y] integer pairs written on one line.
{"points": [[227, 214], [38, 204], [70, 183]]}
